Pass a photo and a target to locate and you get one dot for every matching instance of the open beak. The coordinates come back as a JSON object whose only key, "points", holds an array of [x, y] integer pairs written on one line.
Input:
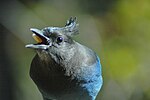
{"points": [[43, 42]]}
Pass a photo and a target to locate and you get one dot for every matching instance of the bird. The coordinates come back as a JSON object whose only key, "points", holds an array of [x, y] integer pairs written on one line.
{"points": [[62, 68]]}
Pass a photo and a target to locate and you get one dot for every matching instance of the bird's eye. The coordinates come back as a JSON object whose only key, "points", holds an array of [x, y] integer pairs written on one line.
{"points": [[59, 39]]}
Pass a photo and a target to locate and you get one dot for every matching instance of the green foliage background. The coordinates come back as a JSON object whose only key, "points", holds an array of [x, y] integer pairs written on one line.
{"points": [[117, 30]]}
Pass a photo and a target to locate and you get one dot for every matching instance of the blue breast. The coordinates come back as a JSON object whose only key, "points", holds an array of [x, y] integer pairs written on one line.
{"points": [[92, 79]]}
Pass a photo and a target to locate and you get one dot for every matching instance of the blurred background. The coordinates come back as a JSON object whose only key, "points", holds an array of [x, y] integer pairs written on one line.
{"points": [[117, 30]]}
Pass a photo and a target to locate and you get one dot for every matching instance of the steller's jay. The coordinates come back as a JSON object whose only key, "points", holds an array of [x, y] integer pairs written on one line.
{"points": [[63, 69]]}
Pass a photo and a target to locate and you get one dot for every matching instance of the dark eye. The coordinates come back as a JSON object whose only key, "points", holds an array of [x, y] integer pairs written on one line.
{"points": [[59, 39]]}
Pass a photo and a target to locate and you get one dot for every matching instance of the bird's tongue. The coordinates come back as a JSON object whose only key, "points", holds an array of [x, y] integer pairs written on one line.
{"points": [[42, 41], [37, 38]]}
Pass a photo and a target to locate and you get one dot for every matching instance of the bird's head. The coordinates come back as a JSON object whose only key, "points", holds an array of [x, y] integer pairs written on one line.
{"points": [[57, 41]]}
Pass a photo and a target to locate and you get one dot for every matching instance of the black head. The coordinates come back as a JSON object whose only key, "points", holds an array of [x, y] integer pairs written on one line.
{"points": [[55, 40]]}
